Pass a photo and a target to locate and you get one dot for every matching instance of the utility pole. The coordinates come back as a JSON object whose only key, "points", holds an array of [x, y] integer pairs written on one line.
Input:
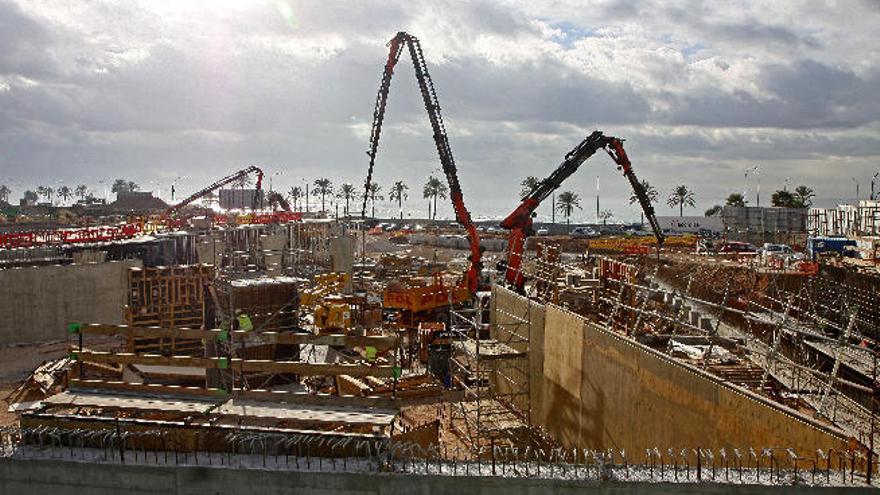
{"points": [[307, 197], [597, 199], [553, 209]]}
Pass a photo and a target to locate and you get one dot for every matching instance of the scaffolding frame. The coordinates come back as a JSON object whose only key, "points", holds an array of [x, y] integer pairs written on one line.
{"points": [[490, 361]]}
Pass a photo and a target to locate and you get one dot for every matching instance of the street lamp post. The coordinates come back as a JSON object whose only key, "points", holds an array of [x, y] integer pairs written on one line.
{"points": [[273, 174], [758, 191], [873, 178], [307, 194]]}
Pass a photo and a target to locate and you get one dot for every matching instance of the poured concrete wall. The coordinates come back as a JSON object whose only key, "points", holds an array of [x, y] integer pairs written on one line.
{"points": [[78, 478], [37, 303], [591, 388]]}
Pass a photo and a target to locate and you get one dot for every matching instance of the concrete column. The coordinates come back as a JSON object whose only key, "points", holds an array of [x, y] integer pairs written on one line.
{"points": [[273, 249], [342, 257]]}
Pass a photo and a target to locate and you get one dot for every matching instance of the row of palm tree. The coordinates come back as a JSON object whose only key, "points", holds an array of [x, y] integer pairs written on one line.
{"points": [[64, 193], [681, 196], [568, 201], [802, 197], [348, 192]]}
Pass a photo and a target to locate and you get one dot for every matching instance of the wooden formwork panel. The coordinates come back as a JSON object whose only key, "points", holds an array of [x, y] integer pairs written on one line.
{"points": [[272, 304], [167, 297]]}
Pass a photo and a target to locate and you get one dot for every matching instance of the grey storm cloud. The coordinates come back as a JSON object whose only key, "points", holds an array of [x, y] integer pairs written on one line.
{"points": [[153, 90]]}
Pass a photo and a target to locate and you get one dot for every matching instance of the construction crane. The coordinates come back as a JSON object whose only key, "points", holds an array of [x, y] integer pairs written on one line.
{"points": [[217, 185], [432, 106], [519, 222]]}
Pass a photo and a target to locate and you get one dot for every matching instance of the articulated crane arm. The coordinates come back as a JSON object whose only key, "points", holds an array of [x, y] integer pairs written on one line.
{"points": [[432, 106], [217, 185], [519, 222]]}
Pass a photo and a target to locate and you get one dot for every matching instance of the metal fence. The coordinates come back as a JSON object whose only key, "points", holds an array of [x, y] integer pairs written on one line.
{"points": [[269, 451]]}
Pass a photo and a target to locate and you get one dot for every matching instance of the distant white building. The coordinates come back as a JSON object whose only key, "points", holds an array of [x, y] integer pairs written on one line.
{"points": [[691, 224]]}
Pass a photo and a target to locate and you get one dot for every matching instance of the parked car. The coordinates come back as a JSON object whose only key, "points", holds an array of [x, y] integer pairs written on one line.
{"points": [[542, 231], [583, 233], [738, 247], [781, 251]]}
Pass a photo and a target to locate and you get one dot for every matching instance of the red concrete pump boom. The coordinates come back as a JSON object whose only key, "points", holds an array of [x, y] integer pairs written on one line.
{"points": [[217, 185], [519, 222], [432, 105]]}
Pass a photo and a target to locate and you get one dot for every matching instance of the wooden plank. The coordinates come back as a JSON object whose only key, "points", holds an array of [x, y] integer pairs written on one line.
{"points": [[257, 394], [310, 369], [306, 413], [254, 365], [150, 359], [316, 399], [146, 388], [150, 332], [377, 341]]}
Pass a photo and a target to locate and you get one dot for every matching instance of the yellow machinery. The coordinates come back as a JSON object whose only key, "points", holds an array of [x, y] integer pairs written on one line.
{"points": [[324, 285], [424, 298], [333, 313]]}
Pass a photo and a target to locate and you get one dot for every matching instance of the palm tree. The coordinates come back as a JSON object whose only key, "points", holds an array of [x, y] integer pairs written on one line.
{"points": [[713, 211], [323, 187], [295, 195], [346, 192], [566, 202], [41, 191], [804, 196], [650, 193], [65, 193], [373, 191], [434, 188], [49, 193], [528, 184], [605, 215], [81, 191], [120, 185], [4, 193], [736, 199], [784, 199], [681, 196], [398, 193], [132, 186]]}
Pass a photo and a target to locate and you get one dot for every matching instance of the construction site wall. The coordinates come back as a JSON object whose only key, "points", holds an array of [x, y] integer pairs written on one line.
{"points": [[39, 302], [591, 388]]}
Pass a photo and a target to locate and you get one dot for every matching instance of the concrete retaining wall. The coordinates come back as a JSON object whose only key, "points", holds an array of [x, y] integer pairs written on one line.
{"points": [[74, 478], [37, 303], [591, 388]]}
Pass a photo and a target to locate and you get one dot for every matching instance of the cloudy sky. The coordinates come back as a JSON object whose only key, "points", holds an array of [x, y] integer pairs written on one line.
{"points": [[701, 91]]}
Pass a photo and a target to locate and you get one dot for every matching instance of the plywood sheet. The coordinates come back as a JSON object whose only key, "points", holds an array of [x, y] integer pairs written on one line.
{"points": [[318, 414], [563, 349]]}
